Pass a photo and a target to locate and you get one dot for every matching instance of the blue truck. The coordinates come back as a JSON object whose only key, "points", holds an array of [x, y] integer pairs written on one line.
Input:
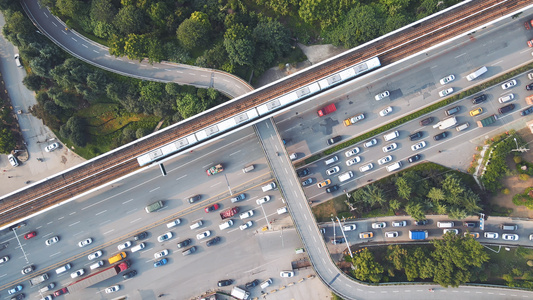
{"points": [[418, 234]]}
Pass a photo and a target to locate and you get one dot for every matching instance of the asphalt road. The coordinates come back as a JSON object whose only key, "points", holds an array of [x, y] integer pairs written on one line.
{"points": [[98, 55]]}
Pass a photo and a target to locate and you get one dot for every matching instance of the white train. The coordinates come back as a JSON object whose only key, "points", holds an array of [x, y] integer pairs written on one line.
{"points": [[259, 111]]}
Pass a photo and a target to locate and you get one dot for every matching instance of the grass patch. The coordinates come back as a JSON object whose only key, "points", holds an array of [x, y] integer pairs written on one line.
{"points": [[333, 208]]}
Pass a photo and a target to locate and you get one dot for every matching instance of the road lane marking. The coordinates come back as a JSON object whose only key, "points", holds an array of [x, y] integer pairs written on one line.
{"points": [[85, 46], [192, 74], [60, 218], [74, 39], [168, 70], [131, 211], [109, 231], [55, 254], [215, 184], [460, 55], [155, 67], [72, 213], [496, 63], [130, 62], [179, 72], [45, 14], [155, 189], [236, 152], [39, 227], [95, 51], [135, 220], [64, 32], [54, 23], [181, 177], [78, 233], [202, 75], [47, 234], [49, 223], [103, 211], [3, 275], [127, 201], [107, 55], [73, 224]]}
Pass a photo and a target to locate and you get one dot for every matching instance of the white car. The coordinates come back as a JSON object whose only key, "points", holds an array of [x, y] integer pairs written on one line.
{"points": [[491, 235], [390, 147], [370, 143], [447, 79], [17, 60], [333, 170], [161, 254], [247, 214], [531, 235], [112, 289], [95, 255], [77, 273], [384, 160], [202, 235], [286, 274], [174, 223], [399, 223], [387, 110], [418, 146], [379, 225], [349, 227], [391, 234], [165, 237], [4, 259], [13, 160], [52, 240], [353, 161], [246, 225], [382, 95], [454, 231], [510, 237], [51, 147], [85, 242], [366, 167], [352, 152], [97, 265], [262, 200], [446, 92], [509, 84], [124, 245]]}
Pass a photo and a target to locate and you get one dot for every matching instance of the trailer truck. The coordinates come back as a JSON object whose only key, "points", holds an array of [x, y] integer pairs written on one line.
{"points": [[239, 293], [98, 277], [487, 121], [230, 212], [418, 234], [214, 169], [447, 123]]}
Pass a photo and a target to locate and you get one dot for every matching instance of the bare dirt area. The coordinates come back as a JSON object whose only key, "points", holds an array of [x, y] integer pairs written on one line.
{"points": [[515, 185]]}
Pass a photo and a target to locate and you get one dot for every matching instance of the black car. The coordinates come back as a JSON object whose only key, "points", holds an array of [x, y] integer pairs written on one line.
{"points": [[415, 136], [194, 198], [505, 109], [426, 121], [184, 243], [421, 222], [141, 236], [334, 140], [303, 172], [452, 111], [225, 282], [332, 188], [440, 136], [470, 224], [414, 158], [252, 284], [529, 87], [19, 297], [129, 275], [212, 241], [338, 241], [479, 99], [527, 111]]}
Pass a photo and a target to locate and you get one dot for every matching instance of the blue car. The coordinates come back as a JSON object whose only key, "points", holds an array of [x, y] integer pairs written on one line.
{"points": [[160, 262], [15, 289]]}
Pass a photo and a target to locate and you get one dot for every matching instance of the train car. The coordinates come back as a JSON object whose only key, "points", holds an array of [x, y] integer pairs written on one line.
{"points": [[289, 98], [226, 125], [349, 73], [166, 150]]}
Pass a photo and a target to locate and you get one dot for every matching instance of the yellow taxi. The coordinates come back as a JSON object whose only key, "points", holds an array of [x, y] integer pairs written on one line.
{"points": [[476, 111], [366, 235], [324, 183], [472, 234]]}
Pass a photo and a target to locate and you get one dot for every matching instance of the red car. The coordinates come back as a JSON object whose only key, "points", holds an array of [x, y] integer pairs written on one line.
{"points": [[212, 208], [61, 292], [30, 235]]}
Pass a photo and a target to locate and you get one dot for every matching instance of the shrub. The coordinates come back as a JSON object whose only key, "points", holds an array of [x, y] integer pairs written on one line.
{"points": [[505, 191], [523, 177], [517, 159]]}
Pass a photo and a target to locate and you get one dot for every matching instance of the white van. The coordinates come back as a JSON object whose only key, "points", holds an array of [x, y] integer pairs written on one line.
{"points": [[332, 160], [462, 127], [248, 168], [282, 210], [395, 166], [506, 98], [269, 187], [476, 74], [391, 136], [138, 247], [226, 225], [47, 288], [63, 269], [97, 265], [196, 225], [345, 176], [266, 283], [173, 223], [510, 227], [445, 224]]}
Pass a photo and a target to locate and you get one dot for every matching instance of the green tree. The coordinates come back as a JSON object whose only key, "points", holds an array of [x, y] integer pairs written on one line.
{"points": [[135, 46], [103, 11], [436, 195], [238, 44], [33, 82], [130, 19], [416, 211], [374, 195], [395, 204], [404, 188], [362, 23], [74, 130], [193, 33], [326, 12], [366, 267], [7, 140]]}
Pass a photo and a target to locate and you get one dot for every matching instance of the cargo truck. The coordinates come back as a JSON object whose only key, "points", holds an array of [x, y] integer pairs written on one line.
{"points": [[447, 123], [230, 212], [418, 234], [327, 110], [354, 119], [487, 121], [215, 169], [38, 279], [240, 293], [98, 277]]}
